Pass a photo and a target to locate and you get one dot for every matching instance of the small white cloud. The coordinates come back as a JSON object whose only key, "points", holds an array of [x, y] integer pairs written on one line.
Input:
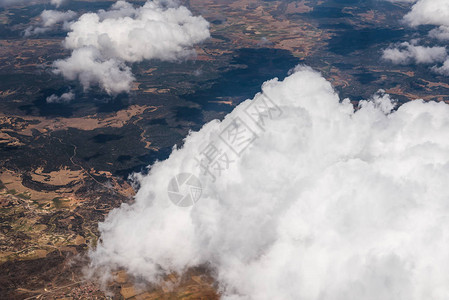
{"points": [[64, 98], [406, 53], [52, 17], [49, 18], [264, 42], [443, 70], [56, 3], [157, 30], [31, 30], [441, 33], [89, 67]]}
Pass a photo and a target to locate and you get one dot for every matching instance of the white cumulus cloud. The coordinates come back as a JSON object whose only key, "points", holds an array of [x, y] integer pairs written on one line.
{"points": [[52, 17], [441, 33], [428, 12], [64, 98], [157, 30], [403, 1], [56, 3], [443, 70], [424, 12], [89, 67], [406, 53], [49, 18], [327, 202]]}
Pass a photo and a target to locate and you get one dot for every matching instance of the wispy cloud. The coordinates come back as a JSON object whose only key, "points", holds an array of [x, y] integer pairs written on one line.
{"points": [[428, 12], [64, 98]]}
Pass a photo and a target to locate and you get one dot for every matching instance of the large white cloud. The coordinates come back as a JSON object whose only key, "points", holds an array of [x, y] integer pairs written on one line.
{"points": [[411, 52], [157, 30], [327, 202]]}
